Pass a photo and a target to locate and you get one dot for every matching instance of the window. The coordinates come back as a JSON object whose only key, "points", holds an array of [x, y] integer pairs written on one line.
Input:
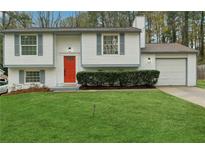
{"points": [[28, 44], [110, 44], [33, 76]]}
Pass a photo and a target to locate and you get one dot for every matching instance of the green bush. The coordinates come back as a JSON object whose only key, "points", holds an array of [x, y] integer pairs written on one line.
{"points": [[123, 79]]}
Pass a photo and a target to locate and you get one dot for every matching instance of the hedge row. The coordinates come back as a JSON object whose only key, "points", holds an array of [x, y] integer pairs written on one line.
{"points": [[123, 79]]}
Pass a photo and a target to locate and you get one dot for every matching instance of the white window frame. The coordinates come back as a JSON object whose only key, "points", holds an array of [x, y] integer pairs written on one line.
{"points": [[29, 45], [102, 42], [32, 82]]}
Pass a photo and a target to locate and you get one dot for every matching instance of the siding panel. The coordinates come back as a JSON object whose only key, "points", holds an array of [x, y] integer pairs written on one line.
{"points": [[40, 45], [13, 61], [16, 44], [21, 76], [42, 76], [99, 52], [122, 44], [131, 57]]}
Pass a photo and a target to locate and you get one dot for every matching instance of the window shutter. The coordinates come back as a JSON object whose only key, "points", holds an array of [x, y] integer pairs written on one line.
{"points": [[16, 44], [21, 76], [42, 76], [99, 52], [40, 45], [122, 44]]}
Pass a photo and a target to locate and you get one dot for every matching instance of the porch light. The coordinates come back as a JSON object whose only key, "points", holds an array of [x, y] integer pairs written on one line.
{"points": [[149, 60], [69, 49]]}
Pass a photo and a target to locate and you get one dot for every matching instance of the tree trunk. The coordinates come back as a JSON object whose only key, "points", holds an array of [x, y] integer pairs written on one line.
{"points": [[191, 39], [202, 35], [174, 34], [149, 31], [163, 38], [185, 37], [3, 19]]}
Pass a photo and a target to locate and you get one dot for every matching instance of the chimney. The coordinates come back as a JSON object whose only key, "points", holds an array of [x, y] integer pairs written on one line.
{"points": [[139, 22]]}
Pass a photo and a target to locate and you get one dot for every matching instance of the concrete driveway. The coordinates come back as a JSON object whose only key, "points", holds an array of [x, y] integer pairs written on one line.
{"points": [[191, 94]]}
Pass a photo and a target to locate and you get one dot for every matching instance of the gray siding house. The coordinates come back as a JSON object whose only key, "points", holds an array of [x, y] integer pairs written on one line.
{"points": [[53, 56]]}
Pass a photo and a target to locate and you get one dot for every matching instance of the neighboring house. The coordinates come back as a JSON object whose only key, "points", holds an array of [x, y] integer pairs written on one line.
{"points": [[1, 72], [3, 82], [53, 56], [2, 76]]}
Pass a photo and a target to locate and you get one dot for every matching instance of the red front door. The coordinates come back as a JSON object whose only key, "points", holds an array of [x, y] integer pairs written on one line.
{"points": [[69, 69]]}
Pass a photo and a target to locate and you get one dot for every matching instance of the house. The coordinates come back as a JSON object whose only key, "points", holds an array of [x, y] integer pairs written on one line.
{"points": [[3, 77], [53, 56], [1, 72]]}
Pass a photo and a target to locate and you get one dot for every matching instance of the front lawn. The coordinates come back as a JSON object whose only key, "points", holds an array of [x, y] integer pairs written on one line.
{"points": [[201, 83], [143, 116]]}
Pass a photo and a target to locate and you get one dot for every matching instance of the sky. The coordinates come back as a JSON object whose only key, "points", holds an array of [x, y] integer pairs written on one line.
{"points": [[63, 13]]}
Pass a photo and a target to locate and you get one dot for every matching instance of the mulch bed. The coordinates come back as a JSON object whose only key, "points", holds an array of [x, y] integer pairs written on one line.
{"points": [[114, 87], [44, 89]]}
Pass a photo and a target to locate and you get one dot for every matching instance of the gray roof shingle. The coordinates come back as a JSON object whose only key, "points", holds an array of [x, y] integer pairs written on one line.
{"points": [[167, 48], [129, 29]]}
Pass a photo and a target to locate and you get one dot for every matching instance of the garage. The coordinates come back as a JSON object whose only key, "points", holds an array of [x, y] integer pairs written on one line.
{"points": [[172, 71], [176, 63]]}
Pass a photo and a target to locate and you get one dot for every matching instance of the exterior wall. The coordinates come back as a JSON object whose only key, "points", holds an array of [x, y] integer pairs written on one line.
{"points": [[13, 78], [89, 53], [84, 46], [53, 76], [1, 72], [62, 44], [139, 22], [50, 77], [191, 64], [192, 69], [146, 64], [12, 60], [111, 69]]}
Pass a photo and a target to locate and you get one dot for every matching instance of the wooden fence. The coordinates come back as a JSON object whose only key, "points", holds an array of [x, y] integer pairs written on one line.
{"points": [[201, 72]]}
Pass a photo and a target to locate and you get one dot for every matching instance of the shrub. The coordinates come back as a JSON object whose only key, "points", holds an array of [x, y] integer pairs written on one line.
{"points": [[123, 79]]}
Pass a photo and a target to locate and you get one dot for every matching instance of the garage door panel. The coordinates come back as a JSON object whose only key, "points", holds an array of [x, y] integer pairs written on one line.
{"points": [[172, 71]]}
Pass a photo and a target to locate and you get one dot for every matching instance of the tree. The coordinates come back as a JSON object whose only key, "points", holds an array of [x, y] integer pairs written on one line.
{"points": [[185, 30], [172, 26], [12, 20], [148, 27], [3, 18], [202, 35], [47, 19]]}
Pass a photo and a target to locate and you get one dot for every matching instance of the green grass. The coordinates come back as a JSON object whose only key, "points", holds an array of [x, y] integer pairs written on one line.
{"points": [[143, 116], [201, 83]]}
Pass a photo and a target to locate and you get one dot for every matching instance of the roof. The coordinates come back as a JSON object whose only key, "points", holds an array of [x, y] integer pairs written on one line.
{"points": [[167, 47], [129, 29]]}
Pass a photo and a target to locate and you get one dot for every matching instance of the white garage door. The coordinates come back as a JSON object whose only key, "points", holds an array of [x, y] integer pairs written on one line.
{"points": [[172, 71]]}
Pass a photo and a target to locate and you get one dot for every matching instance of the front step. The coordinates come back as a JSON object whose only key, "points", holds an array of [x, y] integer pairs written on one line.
{"points": [[66, 88]]}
